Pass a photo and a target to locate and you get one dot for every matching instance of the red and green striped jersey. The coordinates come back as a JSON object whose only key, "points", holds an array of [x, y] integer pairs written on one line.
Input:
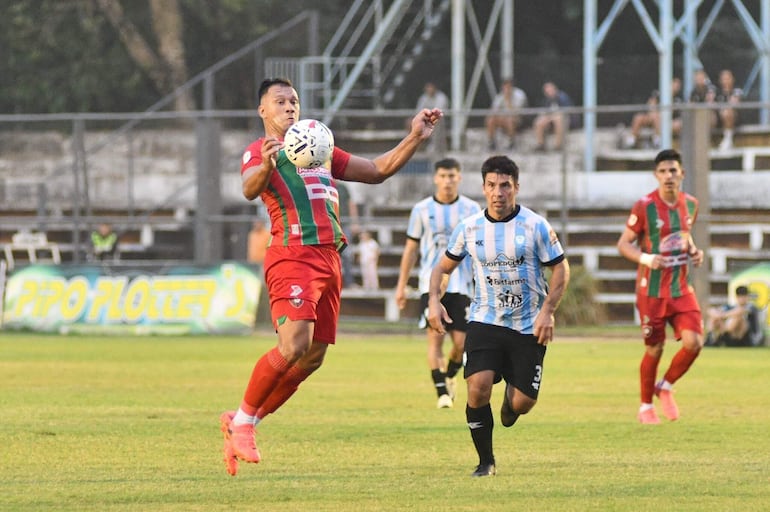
{"points": [[665, 230], [303, 204]]}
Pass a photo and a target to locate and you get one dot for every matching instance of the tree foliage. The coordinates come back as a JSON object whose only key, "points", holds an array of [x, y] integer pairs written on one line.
{"points": [[124, 55]]}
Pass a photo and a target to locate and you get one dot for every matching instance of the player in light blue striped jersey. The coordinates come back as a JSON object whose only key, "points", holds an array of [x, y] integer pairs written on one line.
{"points": [[431, 223], [512, 312]]}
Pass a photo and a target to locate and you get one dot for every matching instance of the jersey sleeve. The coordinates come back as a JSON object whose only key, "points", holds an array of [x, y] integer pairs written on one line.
{"points": [[340, 159], [636, 219], [549, 249], [252, 156], [415, 229], [456, 249]]}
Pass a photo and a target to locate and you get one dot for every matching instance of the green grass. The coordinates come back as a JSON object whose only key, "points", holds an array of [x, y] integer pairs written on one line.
{"points": [[132, 424]]}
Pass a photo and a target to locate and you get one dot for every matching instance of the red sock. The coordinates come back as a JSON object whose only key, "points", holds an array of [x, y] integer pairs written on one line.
{"points": [[680, 364], [283, 390], [648, 370], [266, 374]]}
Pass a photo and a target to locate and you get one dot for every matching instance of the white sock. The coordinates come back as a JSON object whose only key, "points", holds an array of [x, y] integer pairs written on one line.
{"points": [[241, 418], [645, 407], [664, 384]]}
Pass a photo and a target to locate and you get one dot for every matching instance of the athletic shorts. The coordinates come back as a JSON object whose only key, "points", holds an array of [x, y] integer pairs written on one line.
{"points": [[515, 357], [683, 313], [456, 305], [304, 283]]}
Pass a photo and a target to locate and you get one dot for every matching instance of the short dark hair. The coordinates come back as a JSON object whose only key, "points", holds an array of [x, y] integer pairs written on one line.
{"points": [[668, 154], [267, 83], [500, 164], [741, 290], [447, 163]]}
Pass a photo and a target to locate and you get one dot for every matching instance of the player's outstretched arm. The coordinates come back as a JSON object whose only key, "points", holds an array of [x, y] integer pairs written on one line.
{"points": [[387, 164]]}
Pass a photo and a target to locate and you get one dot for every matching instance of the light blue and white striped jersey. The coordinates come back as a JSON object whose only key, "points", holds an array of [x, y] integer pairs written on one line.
{"points": [[431, 224], [508, 260]]}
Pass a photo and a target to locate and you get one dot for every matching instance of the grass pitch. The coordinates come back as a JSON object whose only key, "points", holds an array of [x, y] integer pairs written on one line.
{"points": [[119, 424]]}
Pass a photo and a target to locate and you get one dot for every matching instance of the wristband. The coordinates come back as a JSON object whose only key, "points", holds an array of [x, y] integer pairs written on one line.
{"points": [[646, 259]]}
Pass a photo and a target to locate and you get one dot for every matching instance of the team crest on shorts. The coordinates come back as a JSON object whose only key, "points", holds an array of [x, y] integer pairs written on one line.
{"points": [[296, 301]]}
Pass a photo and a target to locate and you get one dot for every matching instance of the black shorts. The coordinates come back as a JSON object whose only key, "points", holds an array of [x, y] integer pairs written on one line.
{"points": [[513, 356], [456, 305]]}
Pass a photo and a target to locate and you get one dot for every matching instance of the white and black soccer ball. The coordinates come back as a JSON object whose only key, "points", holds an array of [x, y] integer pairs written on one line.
{"points": [[308, 144]]}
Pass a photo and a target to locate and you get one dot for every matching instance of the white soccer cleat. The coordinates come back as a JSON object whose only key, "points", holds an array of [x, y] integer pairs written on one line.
{"points": [[444, 402]]}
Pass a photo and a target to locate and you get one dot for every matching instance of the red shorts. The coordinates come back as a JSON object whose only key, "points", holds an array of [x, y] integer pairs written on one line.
{"points": [[683, 313], [304, 283]]}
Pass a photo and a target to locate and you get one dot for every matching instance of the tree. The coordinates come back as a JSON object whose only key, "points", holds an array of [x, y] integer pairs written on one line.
{"points": [[167, 67]]}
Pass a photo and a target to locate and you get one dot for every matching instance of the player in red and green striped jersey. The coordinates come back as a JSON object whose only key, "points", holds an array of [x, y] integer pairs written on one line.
{"points": [[658, 237], [302, 264]]}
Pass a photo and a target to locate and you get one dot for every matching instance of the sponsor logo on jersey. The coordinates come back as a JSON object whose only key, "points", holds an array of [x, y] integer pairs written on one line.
{"points": [[503, 261], [677, 241]]}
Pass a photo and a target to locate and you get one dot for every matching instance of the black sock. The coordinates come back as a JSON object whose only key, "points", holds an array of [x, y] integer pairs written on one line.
{"points": [[452, 368], [480, 423], [439, 380]]}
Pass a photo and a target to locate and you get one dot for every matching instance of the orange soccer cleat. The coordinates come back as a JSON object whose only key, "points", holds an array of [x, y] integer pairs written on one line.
{"points": [[231, 461], [648, 417], [666, 397]]}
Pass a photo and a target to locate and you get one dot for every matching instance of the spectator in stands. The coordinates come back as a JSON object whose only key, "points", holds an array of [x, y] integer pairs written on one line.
{"points": [[554, 119], [736, 325], [702, 89], [350, 226], [430, 224], [259, 239], [104, 243], [368, 257], [433, 97], [650, 117], [727, 116], [302, 265], [505, 106]]}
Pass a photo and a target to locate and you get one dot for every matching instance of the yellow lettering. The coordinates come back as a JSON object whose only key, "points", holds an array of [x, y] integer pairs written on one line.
{"points": [[135, 299], [75, 299], [52, 294], [27, 297]]}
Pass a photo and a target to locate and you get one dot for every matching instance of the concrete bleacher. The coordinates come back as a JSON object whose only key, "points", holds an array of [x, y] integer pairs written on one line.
{"points": [[159, 236], [738, 239], [750, 152]]}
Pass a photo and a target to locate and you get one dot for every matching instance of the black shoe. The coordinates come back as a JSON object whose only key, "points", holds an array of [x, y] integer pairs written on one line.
{"points": [[484, 470], [507, 415]]}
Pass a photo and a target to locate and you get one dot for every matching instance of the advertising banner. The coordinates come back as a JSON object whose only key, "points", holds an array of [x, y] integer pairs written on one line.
{"points": [[126, 299]]}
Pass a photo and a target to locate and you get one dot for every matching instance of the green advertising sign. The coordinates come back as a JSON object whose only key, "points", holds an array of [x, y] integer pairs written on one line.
{"points": [[184, 299]]}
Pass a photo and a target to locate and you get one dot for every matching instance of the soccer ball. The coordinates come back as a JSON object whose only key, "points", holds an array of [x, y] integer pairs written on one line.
{"points": [[308, 144]]}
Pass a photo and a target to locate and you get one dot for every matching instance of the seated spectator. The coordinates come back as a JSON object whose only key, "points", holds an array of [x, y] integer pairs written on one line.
{"points": [[736, 325], [650, 118], [702, 89], [104, 243], [727, 116], [506, 106], [368, 256], [554, 119], [433, 97]]}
